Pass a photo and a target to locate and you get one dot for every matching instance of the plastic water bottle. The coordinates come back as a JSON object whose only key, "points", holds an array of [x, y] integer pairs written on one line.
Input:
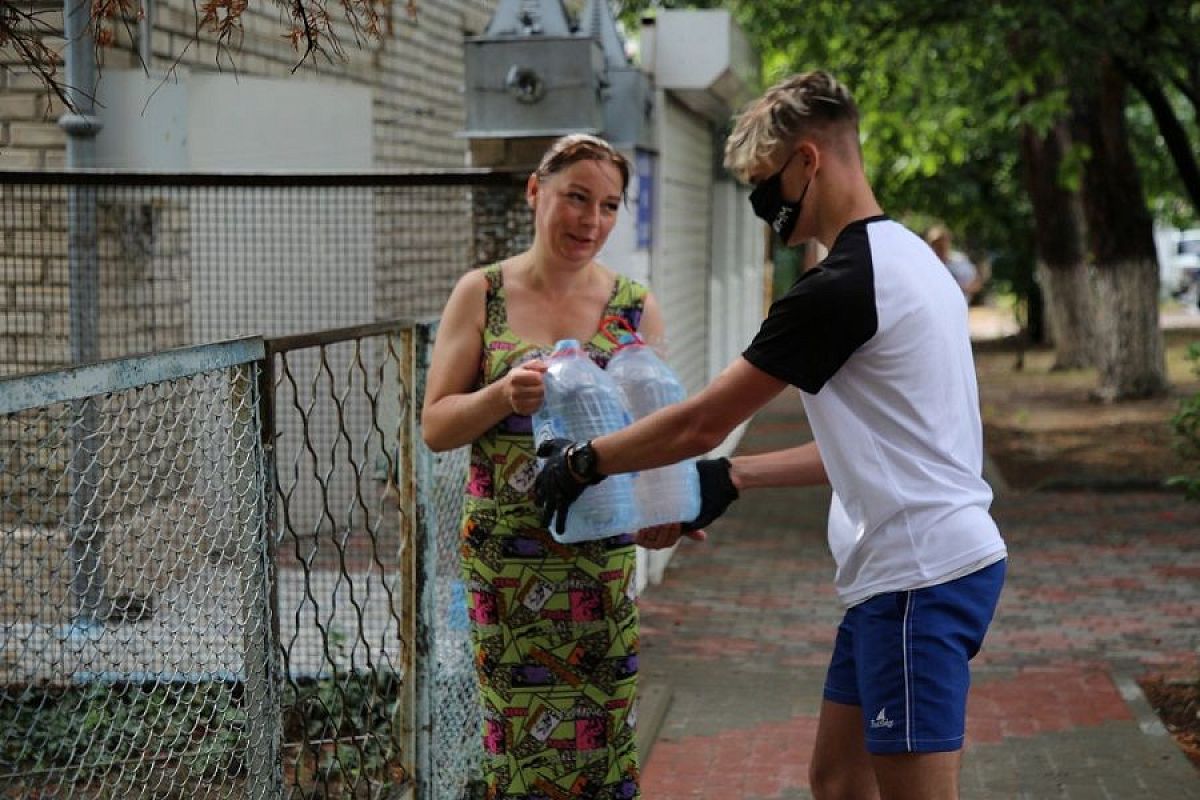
{"points": [[666, 494], [581, 403], [456, 612]]}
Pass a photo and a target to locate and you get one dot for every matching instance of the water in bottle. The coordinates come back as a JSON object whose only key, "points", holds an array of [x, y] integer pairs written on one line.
{"points": [[671, 493], [581, 403]]}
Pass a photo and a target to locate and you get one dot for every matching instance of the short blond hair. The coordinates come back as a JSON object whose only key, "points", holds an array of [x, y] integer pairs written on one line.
{"points": [[809, 103], [937, 232]]}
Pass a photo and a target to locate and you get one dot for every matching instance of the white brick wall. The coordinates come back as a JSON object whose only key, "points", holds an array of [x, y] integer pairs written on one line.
{"points": [[416, 75], [416, 79]]}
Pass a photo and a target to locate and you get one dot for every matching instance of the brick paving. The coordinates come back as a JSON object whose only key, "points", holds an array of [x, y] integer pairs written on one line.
{"points": [[1102, 588]]}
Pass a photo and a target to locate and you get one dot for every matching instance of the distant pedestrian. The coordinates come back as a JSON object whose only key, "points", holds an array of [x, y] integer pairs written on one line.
{"points": [[875, 337], [965, 273]]}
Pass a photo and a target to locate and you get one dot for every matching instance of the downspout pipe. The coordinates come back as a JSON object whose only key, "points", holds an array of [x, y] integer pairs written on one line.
{"points": [[80, 122], [145, 35], [81, 126]]}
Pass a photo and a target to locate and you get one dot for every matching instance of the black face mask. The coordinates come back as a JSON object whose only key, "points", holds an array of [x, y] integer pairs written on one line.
{"points": [[769, 205]]}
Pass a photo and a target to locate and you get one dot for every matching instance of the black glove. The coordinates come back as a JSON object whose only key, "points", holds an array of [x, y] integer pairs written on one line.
{"points": [[716, 492], [568, 468]]}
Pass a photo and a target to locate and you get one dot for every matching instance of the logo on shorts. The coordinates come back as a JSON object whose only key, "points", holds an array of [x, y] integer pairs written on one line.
{"points": [[881, 720]]}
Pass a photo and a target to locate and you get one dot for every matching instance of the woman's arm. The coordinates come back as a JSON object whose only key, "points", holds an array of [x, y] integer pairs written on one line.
{"points": [[651, 327], [455, 415]]}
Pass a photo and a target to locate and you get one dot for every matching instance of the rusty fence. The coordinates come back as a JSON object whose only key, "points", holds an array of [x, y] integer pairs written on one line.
{"points": [[229, 571]]}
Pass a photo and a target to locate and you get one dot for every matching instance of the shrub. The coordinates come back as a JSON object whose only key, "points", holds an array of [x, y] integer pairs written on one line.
{"points": [[1186, 425]]}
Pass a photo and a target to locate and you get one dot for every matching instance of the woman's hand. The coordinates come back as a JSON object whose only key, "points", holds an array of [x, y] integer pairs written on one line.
{"points": [[524, 387], [661, 537]]}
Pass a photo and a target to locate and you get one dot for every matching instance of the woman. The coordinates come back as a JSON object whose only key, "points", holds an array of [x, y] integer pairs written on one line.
{"points": [[554, 627]]}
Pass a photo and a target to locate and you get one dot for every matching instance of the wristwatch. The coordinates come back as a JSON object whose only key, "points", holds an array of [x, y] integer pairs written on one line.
{"points": [[581, 462]]}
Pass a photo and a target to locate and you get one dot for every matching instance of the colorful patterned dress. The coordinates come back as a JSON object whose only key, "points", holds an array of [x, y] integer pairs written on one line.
{"points": [[554, 627]]}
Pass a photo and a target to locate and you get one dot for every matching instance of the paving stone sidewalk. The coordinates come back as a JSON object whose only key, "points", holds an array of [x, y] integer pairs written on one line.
{"points": [[1102, 589]]}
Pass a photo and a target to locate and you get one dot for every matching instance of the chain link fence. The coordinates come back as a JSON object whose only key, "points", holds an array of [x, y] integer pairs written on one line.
{"points": [[231, 571], [380, 687], [121, 509], [102, 265], [135, 627], [338, 406], [449, 707]]}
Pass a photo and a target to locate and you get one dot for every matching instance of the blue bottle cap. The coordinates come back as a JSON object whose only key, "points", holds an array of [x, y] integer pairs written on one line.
{"points": [[566, 344]]}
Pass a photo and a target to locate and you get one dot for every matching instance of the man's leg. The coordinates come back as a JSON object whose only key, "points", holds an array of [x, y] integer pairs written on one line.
{"points": [[902, 658], [841, 767], [917, 776]]}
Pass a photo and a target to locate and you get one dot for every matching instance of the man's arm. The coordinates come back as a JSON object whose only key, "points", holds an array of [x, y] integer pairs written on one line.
{"points": [[690, 428], [684, 430], [796, 466]]}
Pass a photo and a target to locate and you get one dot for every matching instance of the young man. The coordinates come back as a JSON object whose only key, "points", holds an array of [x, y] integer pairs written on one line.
{"points": [[875, 337]]}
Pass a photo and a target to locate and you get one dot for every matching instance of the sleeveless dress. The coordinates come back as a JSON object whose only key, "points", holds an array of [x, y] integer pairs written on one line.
{"points": [[554, 627]]}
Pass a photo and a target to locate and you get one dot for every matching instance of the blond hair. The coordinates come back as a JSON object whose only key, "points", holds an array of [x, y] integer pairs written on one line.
{"points": [[937, 232], [810, 103]]}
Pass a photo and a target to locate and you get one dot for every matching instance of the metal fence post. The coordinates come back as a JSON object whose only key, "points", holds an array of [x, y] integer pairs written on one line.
{"points": [[264, 731], [81, 125], [424, 545], [87, 581]]}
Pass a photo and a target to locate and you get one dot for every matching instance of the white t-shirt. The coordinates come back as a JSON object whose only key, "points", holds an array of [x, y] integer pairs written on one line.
{"points": [[875, 336]]}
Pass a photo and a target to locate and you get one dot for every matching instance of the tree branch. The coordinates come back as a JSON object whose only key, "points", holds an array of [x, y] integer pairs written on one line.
{"points": [[312, 31], [23, 32], [1190, 88], [1169, 125]]}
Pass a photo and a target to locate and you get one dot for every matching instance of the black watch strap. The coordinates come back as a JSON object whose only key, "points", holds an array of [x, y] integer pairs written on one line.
{"points": [[581, 461]]}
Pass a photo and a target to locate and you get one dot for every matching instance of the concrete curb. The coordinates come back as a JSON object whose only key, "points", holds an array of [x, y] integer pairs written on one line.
{"points": [[654, 698], [1156, 733], [1139, 706]]}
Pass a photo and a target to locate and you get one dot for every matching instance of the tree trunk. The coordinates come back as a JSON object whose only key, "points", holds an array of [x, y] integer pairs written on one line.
{"points": [[1128, 342], [1058, 231], [1067, 293], [1127, 339]]}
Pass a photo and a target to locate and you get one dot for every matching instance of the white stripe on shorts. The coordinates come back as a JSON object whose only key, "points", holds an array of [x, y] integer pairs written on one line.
{"points": [[908, 700]]}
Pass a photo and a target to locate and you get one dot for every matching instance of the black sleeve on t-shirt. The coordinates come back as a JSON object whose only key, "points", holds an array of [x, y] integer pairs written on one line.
{"points": [[817, 325]]}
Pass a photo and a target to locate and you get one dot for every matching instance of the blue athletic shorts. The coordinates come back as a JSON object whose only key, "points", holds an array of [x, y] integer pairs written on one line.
{"points": [[903, 658]]}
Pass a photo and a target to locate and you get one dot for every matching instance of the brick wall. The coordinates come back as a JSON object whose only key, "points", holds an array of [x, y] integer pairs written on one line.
{"points": [[416, 75], [416, 78], [143, 265], [29, 137]]}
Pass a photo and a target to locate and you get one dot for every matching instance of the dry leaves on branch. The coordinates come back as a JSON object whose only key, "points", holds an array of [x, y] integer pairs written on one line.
{"points": [[309, 27]]}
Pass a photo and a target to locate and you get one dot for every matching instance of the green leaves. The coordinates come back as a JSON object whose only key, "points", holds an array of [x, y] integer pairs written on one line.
{"points": [[1186, 426]]}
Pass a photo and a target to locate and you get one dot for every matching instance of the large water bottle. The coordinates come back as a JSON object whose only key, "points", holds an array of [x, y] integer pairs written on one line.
{"points": [[667, 494], [581, 403]]}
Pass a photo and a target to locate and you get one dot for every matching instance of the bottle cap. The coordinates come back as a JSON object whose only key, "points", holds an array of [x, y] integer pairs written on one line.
{"points": [[629, 339]]}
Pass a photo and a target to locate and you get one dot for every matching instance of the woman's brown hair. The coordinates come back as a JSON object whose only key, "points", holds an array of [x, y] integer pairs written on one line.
{"points": [[576, 147]]}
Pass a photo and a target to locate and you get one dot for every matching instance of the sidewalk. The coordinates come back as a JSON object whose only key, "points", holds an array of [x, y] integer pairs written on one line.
{"points": [[1102, 588]]}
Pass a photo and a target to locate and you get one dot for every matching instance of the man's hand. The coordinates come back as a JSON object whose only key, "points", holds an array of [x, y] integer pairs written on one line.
{"points": [[661, 537], [716, 492], [558, 485]]}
